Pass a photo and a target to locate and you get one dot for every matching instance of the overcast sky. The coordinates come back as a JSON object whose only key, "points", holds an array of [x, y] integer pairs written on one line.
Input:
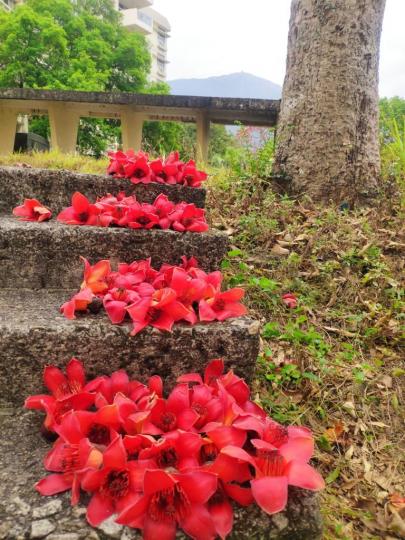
{"points": [[216, 37]]}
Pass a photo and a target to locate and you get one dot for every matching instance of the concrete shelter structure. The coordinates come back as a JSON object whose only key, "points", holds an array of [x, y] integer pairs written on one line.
{"points": [[65, 108]]}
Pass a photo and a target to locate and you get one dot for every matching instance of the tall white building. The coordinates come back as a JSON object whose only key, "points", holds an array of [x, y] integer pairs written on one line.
{"points": [[9, 4], [139, 16]]}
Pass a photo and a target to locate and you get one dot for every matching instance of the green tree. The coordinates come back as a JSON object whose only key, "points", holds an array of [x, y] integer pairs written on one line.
{"points": [[99, 53], [68, 45], [33, 50]]}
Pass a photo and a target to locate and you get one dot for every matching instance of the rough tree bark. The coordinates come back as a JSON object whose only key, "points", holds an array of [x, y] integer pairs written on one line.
{"points": [[328, 127]]}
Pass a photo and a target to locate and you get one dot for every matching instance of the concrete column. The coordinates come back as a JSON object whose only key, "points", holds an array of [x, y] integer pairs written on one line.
{"points": [[131, 129], [8, 124], [203, 134], [64, 124]]}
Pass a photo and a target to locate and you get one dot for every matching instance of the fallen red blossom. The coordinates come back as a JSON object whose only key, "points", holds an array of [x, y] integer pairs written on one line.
{"points": [[123, 211], [32, 210], [139, 170], [290, 300], [157, 298], [162, 464]]}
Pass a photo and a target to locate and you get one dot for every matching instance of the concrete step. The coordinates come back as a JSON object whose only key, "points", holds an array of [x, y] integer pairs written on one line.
{"points": [[54, 188], [33, 333], [25, 514], [46, 255]]}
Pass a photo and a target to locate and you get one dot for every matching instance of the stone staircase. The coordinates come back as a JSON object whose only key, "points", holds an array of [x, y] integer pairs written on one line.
{"points": [[40, 268]]}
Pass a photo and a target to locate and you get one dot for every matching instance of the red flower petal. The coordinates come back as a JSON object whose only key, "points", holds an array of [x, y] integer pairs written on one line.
{"points": [[222, 516], [157, 480], [155, 385], [242, 496], [158, 530], [99, 509], [214, 370], [198, 524], [227, 436], [75, 372], [53, 484], [299, 449], [115, 457], [179, 399], [198, 485], [80, 203], [134, 514], [304, 476], [116, 311], [55, 381], [270, 493]]}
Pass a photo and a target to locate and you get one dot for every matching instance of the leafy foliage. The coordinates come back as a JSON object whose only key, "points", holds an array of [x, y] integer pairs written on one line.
{"points": [[68, 45], [392, 136], [71, 45]]}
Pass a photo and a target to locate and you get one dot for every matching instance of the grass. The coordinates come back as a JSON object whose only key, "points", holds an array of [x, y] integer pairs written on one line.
{"points": [[336, 362], [393, 155], [56, 160]]}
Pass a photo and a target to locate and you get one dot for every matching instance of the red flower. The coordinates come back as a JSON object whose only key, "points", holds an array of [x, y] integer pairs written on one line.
{"points": [[187, 217], [79, 302], [171, 414], [32, 210], [188, 290], [117, 162], [137, 168], [116, 301], [95, 277], [208, 406], [67, 392], [164, 173], [176, 450], [81, 212], [169, 500], [275, 470], [191, 176], [290, 300], [107, 388], [222, 305], [142, 217], [163, 208], [161, 311], [113, 486], [70, 457]]}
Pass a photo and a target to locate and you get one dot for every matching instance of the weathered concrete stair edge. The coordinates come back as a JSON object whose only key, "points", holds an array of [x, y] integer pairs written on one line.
{"points": [[55, 187], [25, 514], [33, 333], [47, 255]]}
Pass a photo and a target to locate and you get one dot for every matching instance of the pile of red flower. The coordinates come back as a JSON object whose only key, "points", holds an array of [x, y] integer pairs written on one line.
{"points": [[161, 464], [158, 298], [123, 211], [140, 170]]}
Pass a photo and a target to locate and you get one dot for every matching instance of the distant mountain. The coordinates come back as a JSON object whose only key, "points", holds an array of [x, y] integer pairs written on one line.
{"points": [[242, 85]]}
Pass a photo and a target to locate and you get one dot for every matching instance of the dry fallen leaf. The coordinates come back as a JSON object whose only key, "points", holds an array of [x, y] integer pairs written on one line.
{"points": [[333, 434], [279, 251], [397, 501], [397, 524], [350, 408]]}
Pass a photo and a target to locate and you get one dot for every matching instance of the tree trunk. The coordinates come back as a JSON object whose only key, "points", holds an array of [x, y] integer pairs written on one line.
{"points": [[328, 144]]}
